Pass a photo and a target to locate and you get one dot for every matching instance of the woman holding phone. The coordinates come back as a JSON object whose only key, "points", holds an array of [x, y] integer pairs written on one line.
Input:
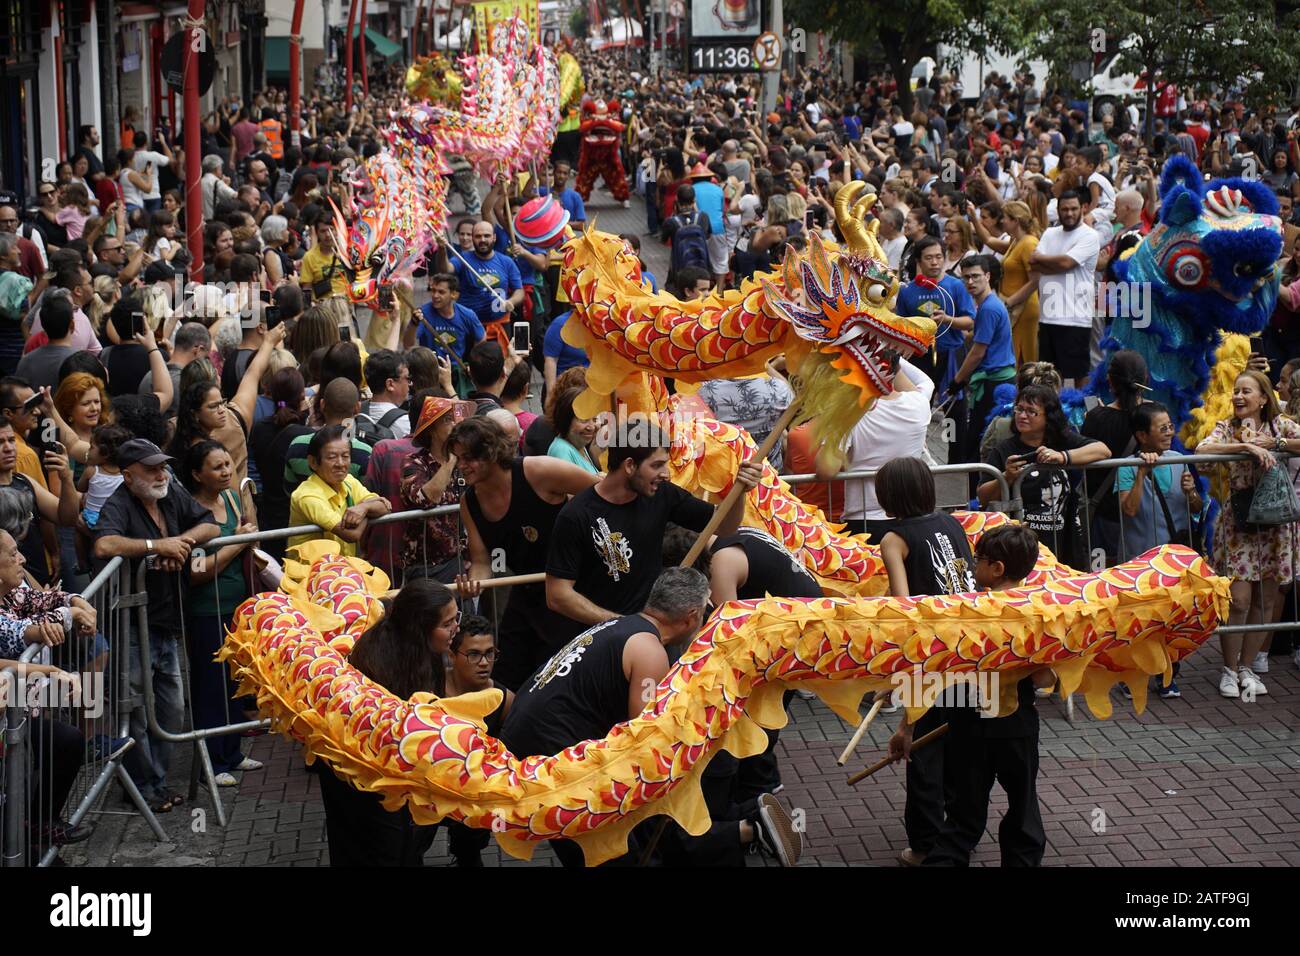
{"points": [[1043, 446]]}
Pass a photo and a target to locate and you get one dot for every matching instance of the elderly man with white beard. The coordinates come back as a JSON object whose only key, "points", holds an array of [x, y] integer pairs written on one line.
{"points": [[152, 517]]}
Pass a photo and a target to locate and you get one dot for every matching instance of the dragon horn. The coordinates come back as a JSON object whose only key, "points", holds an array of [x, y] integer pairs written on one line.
{"points": [[848, 212]]}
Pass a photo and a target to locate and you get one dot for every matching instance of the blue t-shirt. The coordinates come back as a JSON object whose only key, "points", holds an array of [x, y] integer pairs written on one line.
{"points": [[463, 326], [565, 355], [853, 127], [950, 298], [993, 329], [570, 200], [708, 200], [500, 272], [527, 274]]}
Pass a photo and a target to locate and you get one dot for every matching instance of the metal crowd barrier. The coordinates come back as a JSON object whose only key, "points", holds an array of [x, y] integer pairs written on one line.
{"points": [[202, 765], [62, 752]]}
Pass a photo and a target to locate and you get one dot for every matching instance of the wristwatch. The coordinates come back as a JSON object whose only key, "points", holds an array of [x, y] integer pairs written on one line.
{"points": [[148, 546], [1279, 444]]}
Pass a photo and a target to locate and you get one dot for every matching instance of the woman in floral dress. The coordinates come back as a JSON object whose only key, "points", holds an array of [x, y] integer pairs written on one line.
{"points": [[1259, 562]]}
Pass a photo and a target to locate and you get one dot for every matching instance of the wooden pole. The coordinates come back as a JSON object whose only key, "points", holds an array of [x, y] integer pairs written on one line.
{"points": [[862, 727], [720, 512], [347, 57], [885, 762]]}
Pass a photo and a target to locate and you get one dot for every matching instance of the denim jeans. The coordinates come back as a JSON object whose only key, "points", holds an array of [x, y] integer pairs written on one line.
{"points": [[148, 761]]}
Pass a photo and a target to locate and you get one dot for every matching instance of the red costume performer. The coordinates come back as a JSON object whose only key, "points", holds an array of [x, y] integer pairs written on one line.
{"points": [[599, 153]]}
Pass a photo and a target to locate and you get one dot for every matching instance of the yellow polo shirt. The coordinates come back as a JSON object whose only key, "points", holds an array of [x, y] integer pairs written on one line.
{"points": [[29, 464], [315, 265], [315, 502]]}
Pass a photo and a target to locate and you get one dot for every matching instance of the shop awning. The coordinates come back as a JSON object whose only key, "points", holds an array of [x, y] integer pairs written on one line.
{"points": [[379, 43], [276, 58]]}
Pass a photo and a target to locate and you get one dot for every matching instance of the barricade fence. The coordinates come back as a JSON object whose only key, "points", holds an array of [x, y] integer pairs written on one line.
{"points": [[98, 731]]}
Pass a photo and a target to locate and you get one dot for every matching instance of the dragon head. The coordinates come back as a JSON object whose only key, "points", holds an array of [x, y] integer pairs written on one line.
{"points": [[1212, 258], [841, 303]]}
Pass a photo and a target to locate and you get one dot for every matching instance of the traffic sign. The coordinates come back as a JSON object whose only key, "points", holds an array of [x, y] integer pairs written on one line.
{"points": [[767, 51]]}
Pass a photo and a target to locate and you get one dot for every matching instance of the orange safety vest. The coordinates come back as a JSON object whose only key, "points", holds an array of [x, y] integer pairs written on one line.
{"points": [[271, 130]]}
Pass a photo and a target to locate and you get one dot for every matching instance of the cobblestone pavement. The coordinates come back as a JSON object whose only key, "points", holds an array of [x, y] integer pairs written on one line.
{"points": [[1199, 781]]}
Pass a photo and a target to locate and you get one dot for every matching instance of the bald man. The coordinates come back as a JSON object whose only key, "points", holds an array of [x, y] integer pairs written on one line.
{"points": [[1129, 230]]}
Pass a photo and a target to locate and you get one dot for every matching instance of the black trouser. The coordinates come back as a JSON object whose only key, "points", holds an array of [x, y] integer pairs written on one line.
{"points": [[926, 786], [362, 833], [466, 843], [570, 852], [761, 773], [971, 764], [58, 751], [719, 845], [972, 416], [529, 633]]}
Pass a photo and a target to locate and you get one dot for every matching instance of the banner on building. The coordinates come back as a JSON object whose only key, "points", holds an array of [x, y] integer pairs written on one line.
{"points": [[488, 15]]}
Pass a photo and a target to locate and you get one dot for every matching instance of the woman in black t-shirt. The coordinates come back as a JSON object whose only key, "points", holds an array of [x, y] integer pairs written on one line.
{"points": [[1043, 446], [268, 442]]}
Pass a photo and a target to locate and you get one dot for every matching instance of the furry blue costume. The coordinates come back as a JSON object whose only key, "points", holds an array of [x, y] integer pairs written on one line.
{"points": [[1211, 266]]}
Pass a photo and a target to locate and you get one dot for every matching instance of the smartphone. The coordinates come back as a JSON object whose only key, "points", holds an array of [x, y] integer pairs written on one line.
{"points": [[522, 331], [271, 316], [386, 298], [345, 333], [808, 219], [306, 298], [33, 403], [137, 323], [266, 296]]}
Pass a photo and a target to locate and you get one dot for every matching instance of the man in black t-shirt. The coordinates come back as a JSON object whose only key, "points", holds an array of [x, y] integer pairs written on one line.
{"points": [[607, 675], [606, 547]]}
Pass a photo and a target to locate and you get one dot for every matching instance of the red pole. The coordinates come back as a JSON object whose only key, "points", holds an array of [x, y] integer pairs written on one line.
{"points": [[417, 27], [198, 39], [428, 26], [365, 74], [56, 24], [347, 56], [295, 75]]}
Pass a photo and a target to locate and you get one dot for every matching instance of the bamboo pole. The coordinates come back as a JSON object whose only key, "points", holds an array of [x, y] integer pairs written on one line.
{"points": [[886, 761], [862, 727]]}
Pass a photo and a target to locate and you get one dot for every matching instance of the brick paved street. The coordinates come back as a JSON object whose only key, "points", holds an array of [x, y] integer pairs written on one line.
{"points": [[1200, 781]]}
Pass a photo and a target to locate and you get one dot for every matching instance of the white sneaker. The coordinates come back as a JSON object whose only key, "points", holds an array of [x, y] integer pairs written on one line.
{"points": [[1251, 686], [1261, 663], [248, 763], [1228, 684], [226, 779]]}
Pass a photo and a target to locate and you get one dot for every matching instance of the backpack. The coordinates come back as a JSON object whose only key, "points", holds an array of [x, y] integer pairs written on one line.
{"points": [[372, 431], [690, 247]]}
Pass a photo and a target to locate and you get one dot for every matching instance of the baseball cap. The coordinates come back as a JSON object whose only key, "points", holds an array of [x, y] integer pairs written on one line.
{"points": [[140, 451]]}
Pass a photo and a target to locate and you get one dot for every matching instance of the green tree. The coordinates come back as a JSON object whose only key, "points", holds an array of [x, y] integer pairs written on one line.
{"points": [[1205, 48], [579, 25], [907, 30]]}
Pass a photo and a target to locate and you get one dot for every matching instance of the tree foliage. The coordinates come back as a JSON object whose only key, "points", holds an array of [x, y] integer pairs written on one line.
{"points": [[579, 24], [1227, 46]]}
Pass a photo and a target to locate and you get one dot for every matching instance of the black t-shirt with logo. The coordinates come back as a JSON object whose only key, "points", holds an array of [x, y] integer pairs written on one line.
{"points": [[577, 695], [613, 553], [1048, 493], [773, 569], [938, 559]]}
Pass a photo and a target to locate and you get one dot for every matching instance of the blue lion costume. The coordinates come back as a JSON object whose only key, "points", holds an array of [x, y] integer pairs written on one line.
{"points": [[1211, 266]]}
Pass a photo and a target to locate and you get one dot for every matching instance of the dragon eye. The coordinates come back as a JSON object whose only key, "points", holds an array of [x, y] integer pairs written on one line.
{"points": [[877, 293], [1188, 268], [1245, 269]]}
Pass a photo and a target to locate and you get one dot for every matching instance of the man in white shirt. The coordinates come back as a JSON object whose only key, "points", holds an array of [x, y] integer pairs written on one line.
{"points": [[1063, 270], [891, 236], [144, 157], [389, 379], [212, 186], [894, 427]]}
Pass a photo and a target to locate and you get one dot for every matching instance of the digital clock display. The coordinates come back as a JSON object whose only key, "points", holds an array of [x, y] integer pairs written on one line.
{"points": [[722, 58]]}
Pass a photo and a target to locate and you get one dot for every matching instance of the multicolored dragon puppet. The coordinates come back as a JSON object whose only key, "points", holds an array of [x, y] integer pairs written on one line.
{"points": [[830, 314], [598, 156], [503, 115], [1210, 264]]}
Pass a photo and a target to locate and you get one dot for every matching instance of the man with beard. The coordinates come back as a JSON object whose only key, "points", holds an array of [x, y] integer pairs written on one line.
{"points": [[508, 510], [490, 284], [152, 517], [607, 546], [1062, 270]]}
